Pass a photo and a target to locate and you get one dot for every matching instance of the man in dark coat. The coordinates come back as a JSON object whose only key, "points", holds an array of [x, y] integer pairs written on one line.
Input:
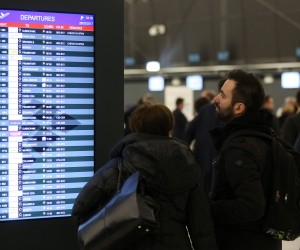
{"points": [[204, 150], [180, 119], [291, 126], [269, 104], [242, 167], [198, 131]]}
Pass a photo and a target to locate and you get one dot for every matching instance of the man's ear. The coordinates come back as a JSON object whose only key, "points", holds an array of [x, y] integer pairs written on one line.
{"points": [[239, 109], [170, 133]]}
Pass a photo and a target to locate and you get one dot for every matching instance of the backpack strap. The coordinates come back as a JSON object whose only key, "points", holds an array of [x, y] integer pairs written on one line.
{"points": [[120, 168], [297, 143]]}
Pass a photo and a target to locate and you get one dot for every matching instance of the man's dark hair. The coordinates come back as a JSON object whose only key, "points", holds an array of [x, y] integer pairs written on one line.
{"points": [[154, 119], [248, 90], [221, 83], [179, 101]]}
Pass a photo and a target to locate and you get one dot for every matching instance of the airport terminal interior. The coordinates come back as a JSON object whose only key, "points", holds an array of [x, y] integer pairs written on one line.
{"points": [[209, 38], [70, 69], [206, 39]]}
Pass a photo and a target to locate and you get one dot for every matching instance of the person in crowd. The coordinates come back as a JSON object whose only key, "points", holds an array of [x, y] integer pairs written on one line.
{"points": [[199, 103], [172, 177], [146, 98], [288, 108], [242, 167], [180, 119], [208, 93], [197, 134], [269, 104], [291, 126]]}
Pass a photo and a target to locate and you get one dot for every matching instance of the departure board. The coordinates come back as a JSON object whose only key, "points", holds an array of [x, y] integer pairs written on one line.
{"points": [[46, 110]]}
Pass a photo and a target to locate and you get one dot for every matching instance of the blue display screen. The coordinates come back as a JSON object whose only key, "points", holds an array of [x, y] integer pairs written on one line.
{"points": [[46, 110]]}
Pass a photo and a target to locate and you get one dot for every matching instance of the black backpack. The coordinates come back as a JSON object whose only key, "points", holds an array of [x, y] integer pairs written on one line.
{"points": [[297, 143], [282, 216]]}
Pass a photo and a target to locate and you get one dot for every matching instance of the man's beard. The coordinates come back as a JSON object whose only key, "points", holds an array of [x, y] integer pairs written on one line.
{"points": [[225, 115]]}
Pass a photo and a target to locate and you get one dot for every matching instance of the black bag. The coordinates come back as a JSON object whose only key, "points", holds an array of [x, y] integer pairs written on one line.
{"points": [[282, 220], [125, 219], [282, 216], [297, 143]]}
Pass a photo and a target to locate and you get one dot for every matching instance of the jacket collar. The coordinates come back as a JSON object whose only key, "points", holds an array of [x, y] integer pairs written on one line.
{"points": [[258, 121], [131, 138]]}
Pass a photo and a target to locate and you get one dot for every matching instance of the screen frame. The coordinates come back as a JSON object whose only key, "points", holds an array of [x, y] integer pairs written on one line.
{"points": [[60, 233]]}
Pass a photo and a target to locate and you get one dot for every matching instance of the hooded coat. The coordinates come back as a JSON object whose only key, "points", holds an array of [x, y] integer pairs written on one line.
{"points": [[240, 183], [175, 182]]}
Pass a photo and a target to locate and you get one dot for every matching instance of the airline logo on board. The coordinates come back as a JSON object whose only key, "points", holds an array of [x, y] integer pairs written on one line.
{"points": [[2, 15]]}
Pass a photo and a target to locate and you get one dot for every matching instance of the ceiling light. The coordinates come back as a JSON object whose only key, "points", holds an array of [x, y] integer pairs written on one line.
{"points": [[153, 66], [194, 58], [297, 52], [129, 61], [157, 29], [268, 79], [175, 81], [223, 55], [194, 82]]}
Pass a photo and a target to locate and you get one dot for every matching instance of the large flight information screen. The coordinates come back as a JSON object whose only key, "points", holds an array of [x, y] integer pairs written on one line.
{"points": [[46, 112]]}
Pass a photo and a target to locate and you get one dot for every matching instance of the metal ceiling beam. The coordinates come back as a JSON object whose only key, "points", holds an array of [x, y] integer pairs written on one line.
{"points": [[208, 70], [279, 13]]}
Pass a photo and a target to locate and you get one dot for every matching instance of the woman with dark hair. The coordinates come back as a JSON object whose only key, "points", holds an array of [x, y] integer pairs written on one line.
{"points": [[172, 178]]}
